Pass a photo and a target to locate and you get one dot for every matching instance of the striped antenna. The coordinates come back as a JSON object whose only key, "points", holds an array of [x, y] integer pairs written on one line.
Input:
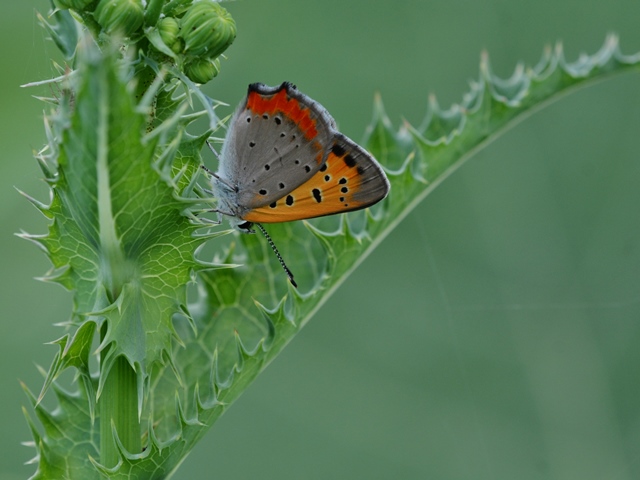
{"points": [[275, 250]]}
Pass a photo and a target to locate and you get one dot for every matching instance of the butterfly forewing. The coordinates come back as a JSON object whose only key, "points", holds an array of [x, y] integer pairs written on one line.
{"points": [[350, 179], [278, 138]]}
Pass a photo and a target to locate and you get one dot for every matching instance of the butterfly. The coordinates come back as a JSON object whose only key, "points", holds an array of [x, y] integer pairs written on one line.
{"points": [[283, 159]]}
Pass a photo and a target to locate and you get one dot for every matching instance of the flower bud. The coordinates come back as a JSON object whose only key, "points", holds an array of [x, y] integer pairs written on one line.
{"points": [[123, 16], [207, 29], [78, 5], [201, 70], [178, 46], [168, 28]]}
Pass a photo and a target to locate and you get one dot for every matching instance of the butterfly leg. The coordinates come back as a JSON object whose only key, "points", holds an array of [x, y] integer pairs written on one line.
{"points": [[214, 222], [210, 172], [213, 150], [219, 179], [208, 220]]}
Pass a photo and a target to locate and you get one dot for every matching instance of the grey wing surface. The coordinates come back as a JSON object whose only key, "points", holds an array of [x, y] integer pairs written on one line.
{"points": [[280, 139]]}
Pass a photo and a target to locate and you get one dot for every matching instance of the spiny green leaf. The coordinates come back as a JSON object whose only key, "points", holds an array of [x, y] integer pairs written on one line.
{"points": [[128, 265], [120, 240], [64, 32], [118, 228], [323, 252], [74, 352]]}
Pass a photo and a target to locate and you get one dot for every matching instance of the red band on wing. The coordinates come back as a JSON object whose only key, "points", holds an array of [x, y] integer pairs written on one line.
{"points": [[289, 107]]}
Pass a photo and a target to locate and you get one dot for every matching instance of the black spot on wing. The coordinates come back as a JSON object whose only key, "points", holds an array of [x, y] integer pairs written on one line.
{"points": [[338, 150], [349, 160]]}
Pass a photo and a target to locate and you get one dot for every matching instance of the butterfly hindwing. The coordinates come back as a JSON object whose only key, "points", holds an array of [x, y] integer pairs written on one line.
{"points": [[350, 179]]}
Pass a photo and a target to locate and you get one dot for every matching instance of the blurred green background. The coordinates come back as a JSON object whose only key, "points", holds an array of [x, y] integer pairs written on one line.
{"points": [[493, 335]]}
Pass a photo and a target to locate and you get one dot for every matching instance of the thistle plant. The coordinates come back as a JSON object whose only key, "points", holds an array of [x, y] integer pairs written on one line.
{"points": [[154, 367]]}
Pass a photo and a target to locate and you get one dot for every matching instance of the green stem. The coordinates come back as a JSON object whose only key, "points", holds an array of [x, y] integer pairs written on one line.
{"points": [[152, 12], [91, 24], [174, 5], [118, 407]]}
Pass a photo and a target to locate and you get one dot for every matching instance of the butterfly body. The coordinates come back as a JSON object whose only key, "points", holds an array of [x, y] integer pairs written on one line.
{"points": [[283, 160]]}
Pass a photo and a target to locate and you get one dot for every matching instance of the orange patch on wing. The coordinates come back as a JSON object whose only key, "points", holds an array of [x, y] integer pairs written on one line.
{"points": [[289, 107], [328, 192]]}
